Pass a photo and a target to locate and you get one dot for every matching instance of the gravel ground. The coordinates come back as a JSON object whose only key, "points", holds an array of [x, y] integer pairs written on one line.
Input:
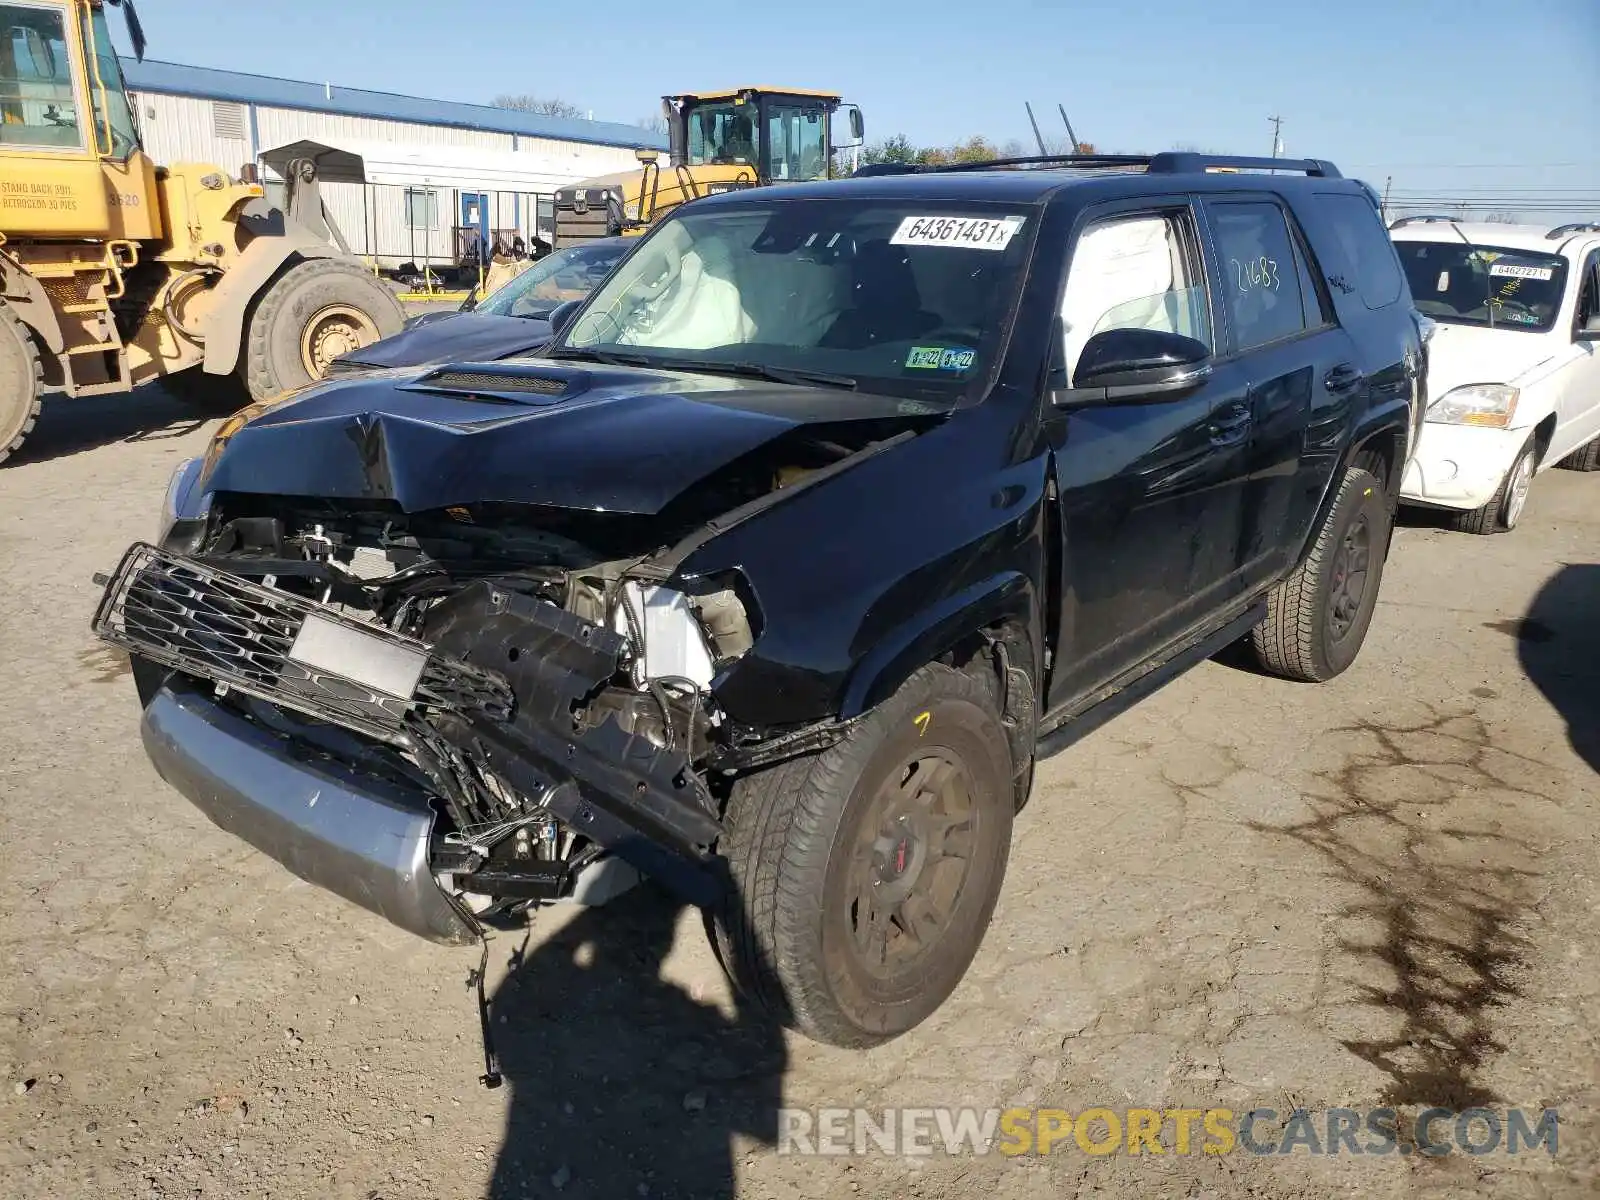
{"points": [[1245, 893]]}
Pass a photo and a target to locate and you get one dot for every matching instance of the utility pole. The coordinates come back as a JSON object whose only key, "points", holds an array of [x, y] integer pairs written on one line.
{"points": [[1277, 124]]}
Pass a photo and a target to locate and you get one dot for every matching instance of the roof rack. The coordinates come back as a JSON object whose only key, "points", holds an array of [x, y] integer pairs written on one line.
{"points": [[1034, 160], [1576, 227], [1423, 219], [1176, 162], [1168, 163]]}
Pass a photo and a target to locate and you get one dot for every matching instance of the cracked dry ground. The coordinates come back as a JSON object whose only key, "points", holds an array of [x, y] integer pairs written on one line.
{"points": [[1244, 893]]}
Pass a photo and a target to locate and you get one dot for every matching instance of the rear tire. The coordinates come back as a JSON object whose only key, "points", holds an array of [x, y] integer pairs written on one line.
{"points": [[312, 313], [839, 859], [21, 382], [1586, 458], [1317, 618], [1505, 507]]}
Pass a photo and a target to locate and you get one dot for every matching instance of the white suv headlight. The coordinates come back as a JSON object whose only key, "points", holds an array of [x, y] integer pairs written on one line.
{"points": [[1486, 404]]}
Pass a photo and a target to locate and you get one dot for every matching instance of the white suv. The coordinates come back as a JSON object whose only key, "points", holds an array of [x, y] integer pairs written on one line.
{"points": [[1513, 367]]}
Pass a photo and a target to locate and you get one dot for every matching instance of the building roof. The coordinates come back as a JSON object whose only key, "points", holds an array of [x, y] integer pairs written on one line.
{"points": [[208, 83]]}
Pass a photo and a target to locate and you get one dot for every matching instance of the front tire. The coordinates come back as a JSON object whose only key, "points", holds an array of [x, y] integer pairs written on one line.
{"points": [[865, 877], [314, 312], [1506, 506], [21, 383], [1317, 618]]}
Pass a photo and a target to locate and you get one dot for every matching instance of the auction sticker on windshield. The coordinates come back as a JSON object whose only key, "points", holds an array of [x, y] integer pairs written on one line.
{"points": [[1517, 271], [973, 233]]}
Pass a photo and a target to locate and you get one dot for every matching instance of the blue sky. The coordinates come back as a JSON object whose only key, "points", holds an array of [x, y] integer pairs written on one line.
{"points": [[1451, 97]]}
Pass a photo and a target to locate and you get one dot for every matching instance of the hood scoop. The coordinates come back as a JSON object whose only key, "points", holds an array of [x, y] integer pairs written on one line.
{"points": [[505, 382]]}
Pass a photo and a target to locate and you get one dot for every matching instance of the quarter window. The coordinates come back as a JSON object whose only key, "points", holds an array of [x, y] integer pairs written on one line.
{"points": [[1367, 247], [38, 106], [1260, 288], [1134, 272]]}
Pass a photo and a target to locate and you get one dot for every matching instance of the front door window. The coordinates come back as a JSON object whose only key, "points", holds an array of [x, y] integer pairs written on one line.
{"points": [[38, 105]]}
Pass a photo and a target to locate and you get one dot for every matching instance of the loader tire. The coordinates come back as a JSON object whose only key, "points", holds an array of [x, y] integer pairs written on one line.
{"points": [[311, 314], [21, 382]]}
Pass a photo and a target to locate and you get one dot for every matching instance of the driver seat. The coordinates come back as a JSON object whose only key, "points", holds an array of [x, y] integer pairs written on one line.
{"points": [[885, 305]]}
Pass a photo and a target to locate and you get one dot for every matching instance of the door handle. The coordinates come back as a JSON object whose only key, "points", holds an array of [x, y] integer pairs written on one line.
{"points": [[1343, 378], [1230, 427]]}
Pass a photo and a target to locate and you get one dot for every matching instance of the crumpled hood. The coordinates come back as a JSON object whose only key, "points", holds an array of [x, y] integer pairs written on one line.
{"points": [[1462, 354], [616, 439], [456, 337]]}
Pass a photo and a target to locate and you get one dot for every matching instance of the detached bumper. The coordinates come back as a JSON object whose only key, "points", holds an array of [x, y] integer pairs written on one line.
{"points": [[356, 836], [1459, 466]]}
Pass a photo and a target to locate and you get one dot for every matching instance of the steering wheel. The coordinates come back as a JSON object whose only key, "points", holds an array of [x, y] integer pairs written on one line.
{"points": [[1508, 302]]}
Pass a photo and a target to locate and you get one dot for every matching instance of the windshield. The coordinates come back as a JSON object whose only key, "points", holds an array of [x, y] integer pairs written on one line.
{"points": [[722, 133], [1492, 286], [893, 296], [569, 274]]}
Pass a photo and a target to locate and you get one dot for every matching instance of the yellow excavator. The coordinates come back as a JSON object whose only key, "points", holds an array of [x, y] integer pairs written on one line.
{"points": [[115, 271], [741, 137]]}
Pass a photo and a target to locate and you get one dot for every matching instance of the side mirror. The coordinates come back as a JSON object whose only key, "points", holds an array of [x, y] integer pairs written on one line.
{"points": [[857, 126], [561, 315], [1136, 364], [1589, 331]]}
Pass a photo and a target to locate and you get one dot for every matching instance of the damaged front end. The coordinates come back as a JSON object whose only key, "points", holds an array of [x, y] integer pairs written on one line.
{"points": [[448, 717]]}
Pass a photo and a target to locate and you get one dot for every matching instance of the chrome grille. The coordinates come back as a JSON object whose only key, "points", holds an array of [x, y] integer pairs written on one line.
{"points": [[206, 622]]}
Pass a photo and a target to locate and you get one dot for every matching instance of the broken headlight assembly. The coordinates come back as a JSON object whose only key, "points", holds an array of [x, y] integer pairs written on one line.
{"points": [[185, 506], [683, 637]]}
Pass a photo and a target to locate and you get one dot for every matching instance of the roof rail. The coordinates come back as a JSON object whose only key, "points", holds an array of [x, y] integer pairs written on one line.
{"points": [[1179, 162], [1423, 219], [1033, 160], [1576, 227]]}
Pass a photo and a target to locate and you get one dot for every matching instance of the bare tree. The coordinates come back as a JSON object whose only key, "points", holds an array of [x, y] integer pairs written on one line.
{"points": [[656, 124], [1501, 218], [533, 104]]}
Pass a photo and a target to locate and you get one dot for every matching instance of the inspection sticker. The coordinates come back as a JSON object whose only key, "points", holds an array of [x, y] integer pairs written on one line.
{"points": [[1520, 272], [941, 358], [973, 233]]}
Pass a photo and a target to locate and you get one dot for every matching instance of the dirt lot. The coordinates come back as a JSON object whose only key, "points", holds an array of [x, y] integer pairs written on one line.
{"points": [[1246, 893]]}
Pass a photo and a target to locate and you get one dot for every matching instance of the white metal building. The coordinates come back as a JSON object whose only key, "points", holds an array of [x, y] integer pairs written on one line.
{"points": [[434, 168]]}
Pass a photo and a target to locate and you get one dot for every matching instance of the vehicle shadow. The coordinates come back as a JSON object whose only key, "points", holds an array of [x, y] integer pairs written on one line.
{"points": [[1558, 644], [68, 424], [1429, 953], [621, 1083]]}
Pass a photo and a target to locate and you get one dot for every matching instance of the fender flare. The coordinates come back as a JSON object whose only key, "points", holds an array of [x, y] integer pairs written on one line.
{"points": [[250, 275], [25, 296], [934, 630], [1382, 423]]}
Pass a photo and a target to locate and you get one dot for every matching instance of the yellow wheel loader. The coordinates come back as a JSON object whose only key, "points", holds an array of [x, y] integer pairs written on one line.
{"points": [[115, 272], [742, 137]]}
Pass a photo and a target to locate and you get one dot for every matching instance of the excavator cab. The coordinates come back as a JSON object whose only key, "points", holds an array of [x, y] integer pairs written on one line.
{"points": [[738, 138]]}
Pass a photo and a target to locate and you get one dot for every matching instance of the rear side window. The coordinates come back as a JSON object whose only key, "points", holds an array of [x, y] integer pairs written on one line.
{"points": [[1260, 288], [1360, 233]]}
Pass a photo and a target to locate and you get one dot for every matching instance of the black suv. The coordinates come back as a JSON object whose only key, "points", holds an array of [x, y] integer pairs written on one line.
{"points": [[832, 510]]}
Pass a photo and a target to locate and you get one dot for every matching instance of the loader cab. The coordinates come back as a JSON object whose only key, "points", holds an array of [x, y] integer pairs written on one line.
{"points": [[776, 135], [61, 86]]}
